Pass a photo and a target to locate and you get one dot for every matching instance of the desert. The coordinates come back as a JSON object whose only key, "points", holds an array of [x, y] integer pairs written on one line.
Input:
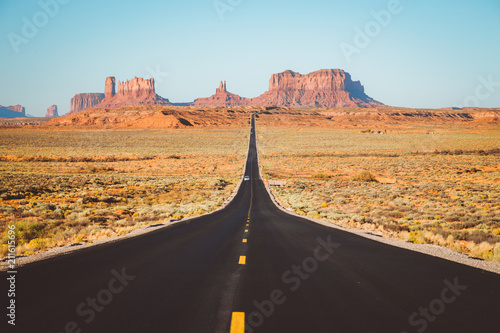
{"points": [[249, 166]]}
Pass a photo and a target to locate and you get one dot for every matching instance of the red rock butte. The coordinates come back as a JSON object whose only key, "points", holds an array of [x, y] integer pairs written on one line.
{"points": [[52, 112], [331, 88], [222, 98], [12, 111], [85, 101], [137, 91]]}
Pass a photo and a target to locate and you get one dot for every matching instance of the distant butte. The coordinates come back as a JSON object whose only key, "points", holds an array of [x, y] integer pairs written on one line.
{"points": [[222, 98], [330, 88], [137, 91], [81, 102], [15, 111], [52, 112]]}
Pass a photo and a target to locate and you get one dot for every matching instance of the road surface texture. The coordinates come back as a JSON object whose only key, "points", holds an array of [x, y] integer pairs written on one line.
{"points": [[251, 265]]}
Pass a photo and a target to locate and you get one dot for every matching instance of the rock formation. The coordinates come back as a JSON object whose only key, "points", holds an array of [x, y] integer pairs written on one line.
{"points": [[85, 101], [222, 98], [222, 88], [136, 86], [109, 87], [12, 111], [137, 91], [332, 88], [52, 112]]}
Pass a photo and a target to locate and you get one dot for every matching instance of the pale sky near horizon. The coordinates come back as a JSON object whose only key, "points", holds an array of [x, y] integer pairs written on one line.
{"points": [[420, 53]]}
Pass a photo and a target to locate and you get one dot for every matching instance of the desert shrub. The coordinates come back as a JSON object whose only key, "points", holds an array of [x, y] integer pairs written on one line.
{"points": [[320, 176], [454, 217], [416, 237], [397, 227], [364, 176], [463, 225], [26, 231], [480, 237], [4, 250], [98, 219], [483, 250], [72, 216], [496, 252], [395, 214], [37, 244], [220, 184]]}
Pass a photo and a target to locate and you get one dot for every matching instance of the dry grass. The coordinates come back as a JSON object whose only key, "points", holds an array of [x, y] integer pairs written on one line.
{"points": [[364, 176], [441, 188], [64, 187]]}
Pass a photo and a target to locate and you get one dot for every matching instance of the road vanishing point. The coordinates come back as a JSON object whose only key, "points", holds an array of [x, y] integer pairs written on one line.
{"points": [[251, 267]]}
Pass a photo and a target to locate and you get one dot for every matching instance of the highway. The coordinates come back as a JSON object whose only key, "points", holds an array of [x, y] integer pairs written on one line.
{"points": [[252, 265]]}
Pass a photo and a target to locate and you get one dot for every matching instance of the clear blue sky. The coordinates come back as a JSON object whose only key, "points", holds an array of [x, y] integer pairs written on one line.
{"points": [[429, 53]]}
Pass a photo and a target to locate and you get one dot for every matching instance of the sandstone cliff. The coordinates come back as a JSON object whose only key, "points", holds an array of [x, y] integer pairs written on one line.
{"points": [[12, 111], [109, 87], [137, 91], [52, 112], [332, 88], [222, 98], [85, 101]]}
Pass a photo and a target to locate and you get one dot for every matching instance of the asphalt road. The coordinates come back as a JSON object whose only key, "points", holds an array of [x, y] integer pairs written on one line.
{"points": [[251, 264]]}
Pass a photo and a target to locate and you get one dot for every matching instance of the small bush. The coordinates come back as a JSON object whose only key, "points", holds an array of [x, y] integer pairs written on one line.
{"points": [[320, 176], [364, 176], [496, 252], [220, 184], [416, 237], [37, 244], [26, 231], [483, 250]]}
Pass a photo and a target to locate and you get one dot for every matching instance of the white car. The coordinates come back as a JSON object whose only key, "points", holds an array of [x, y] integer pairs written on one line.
{"points": [[246, 178]]}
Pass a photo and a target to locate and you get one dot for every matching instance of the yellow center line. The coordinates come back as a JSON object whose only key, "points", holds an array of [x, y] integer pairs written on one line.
{"points": [[238, 322], [238, 318]]}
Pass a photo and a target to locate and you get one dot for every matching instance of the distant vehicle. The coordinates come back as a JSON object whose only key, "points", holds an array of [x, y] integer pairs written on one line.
{"points": [[246, 178]]}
